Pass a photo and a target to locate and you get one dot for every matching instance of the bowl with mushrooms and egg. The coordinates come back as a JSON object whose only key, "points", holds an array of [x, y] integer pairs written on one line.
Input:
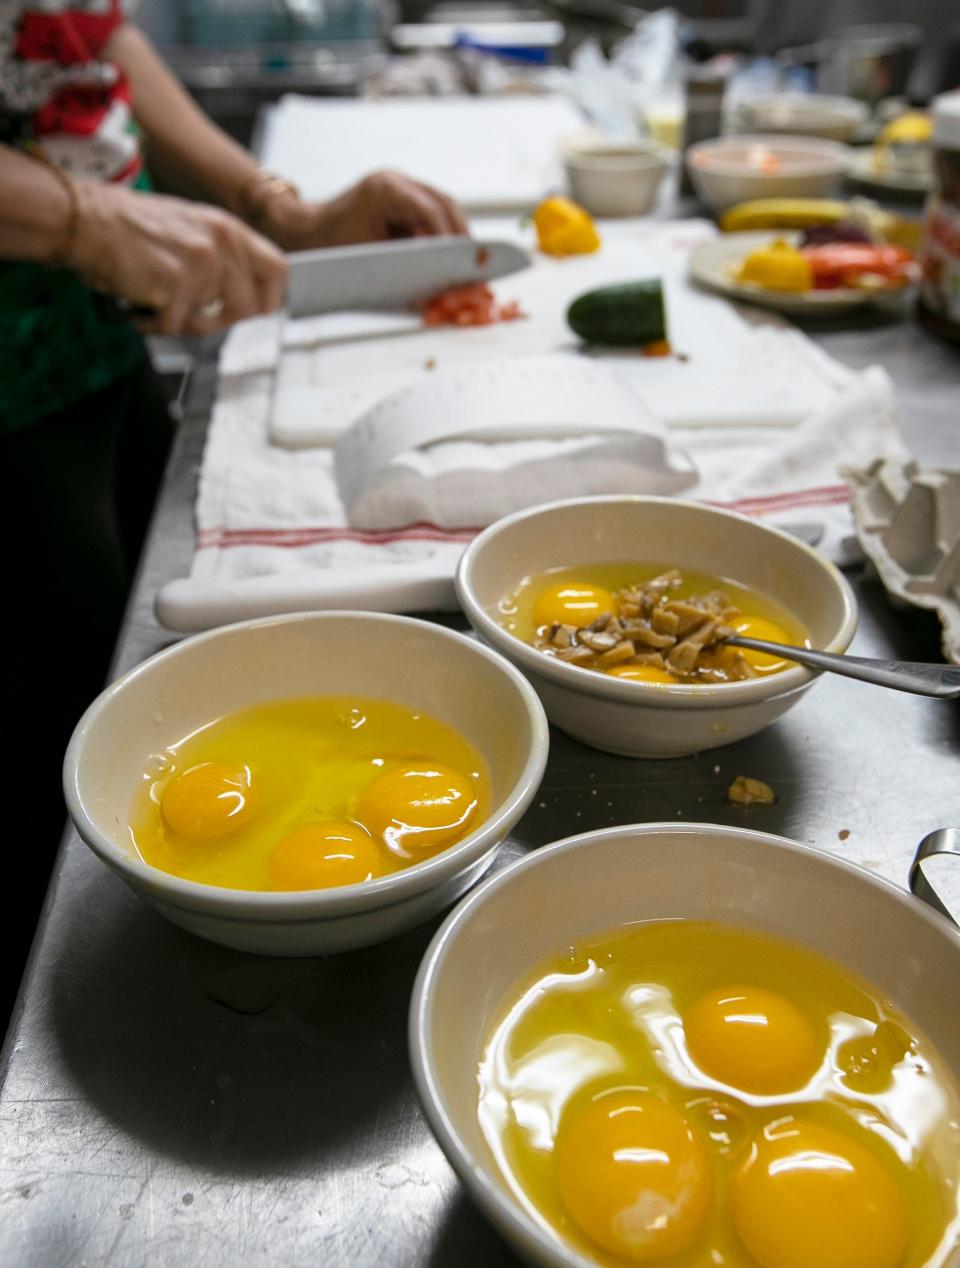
{"points": [[617, 610]]}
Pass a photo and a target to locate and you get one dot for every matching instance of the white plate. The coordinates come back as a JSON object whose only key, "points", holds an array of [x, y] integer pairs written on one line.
{"points": [[712, 264], [863, 170]]}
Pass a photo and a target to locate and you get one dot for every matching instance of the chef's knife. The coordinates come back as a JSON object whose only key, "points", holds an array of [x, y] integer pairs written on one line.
{"points": [[393, 274]]}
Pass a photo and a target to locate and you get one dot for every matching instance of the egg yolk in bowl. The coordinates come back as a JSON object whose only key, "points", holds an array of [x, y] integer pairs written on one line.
{"points": [[649, 623], [308, 793], [692, 1094]]}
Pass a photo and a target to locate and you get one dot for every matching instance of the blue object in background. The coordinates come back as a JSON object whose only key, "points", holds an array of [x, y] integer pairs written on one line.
{"points": [[532, 56]]}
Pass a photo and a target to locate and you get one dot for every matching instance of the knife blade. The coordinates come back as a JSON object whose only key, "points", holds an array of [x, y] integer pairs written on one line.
{"points": [[393, 274]]}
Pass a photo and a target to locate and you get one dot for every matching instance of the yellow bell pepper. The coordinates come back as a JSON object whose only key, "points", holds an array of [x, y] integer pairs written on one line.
{"points": [[777, 267], [564, 228]]}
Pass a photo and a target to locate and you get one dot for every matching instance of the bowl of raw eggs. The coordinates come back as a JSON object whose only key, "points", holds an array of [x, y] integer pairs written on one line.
{"points": [[307, 783], [616, 609], [697, 1045]]}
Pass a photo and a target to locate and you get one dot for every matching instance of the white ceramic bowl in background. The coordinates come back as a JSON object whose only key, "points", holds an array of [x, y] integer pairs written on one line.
{"points": [[412, 663], [613, 178], [801, 114], [594, 883], [640, 719], [727, 170]]}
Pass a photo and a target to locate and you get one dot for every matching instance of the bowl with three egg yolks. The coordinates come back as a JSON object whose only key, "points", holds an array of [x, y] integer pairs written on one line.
{"points": [[653, 1121], [304, 795]]}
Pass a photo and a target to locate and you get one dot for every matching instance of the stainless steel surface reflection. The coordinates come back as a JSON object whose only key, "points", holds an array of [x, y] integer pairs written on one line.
{"points": [[169, 1102]]}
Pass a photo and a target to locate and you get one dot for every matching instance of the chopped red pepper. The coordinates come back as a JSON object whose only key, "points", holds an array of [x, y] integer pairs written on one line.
{"points": [[848, 263], [482, 257], [472, 305]]}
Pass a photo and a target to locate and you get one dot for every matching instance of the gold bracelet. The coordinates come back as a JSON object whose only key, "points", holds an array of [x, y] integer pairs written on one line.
{"points": [[260, 190], [61, 255]]}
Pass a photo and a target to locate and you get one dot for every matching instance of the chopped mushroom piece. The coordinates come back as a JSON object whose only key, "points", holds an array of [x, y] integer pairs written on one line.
{"points": [[598, 640], [576, 655], [750, 792], [664, 621], [683, 657], [618, 655]]}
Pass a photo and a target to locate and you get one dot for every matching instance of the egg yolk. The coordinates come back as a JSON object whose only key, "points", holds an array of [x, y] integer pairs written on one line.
{"points": [[814, 1196], [641, 673], [321, 855], [572, 603], [633, 1176], [760, 627], [752, 1039], [418, 807], [207, 801]]}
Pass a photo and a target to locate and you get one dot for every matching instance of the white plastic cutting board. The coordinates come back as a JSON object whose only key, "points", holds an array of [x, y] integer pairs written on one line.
{"points": [[325, 386], [489, 153]]}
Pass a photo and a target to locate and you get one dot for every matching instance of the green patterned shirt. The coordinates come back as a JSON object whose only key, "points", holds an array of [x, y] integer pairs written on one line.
{"points": [[59, 342]]}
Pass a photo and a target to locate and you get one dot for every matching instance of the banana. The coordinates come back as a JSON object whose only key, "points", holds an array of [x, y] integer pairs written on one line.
{"points": [[782, 213]]}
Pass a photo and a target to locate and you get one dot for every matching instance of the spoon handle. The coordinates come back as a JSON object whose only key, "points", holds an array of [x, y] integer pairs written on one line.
{"points": [[922, 679]]}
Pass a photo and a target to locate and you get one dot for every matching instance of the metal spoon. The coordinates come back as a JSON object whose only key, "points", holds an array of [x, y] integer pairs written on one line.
{"points": [[942, 841], [942, 681]]}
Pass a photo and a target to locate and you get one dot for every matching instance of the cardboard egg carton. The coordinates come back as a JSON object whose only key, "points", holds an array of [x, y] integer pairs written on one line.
{"points": [[908, 523]]}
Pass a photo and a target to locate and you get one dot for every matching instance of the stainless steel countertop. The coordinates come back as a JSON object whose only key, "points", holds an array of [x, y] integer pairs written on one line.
{"points": [[170, 1102]]}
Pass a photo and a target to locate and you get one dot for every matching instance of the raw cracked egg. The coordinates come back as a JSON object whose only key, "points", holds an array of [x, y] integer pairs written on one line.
{"points": [[418, 806], [572, 603], [207, 801], [633, 1175], [323, 854], [752, 1039], [308, 794], [811, 1195], [695, 1095], [648, 623]]}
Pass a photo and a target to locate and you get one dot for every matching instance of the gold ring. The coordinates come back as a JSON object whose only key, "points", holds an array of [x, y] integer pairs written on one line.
{"points": [[211, 309]]}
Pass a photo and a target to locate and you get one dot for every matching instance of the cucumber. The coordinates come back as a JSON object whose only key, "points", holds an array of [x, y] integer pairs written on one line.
{"points": [[629, 314]]}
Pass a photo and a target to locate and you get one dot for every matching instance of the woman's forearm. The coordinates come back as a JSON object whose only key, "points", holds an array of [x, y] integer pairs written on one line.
{"points": [[35, 209], [185, 149]]}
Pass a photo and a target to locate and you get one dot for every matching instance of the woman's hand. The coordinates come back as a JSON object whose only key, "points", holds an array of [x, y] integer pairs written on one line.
{"points": [[384, 205], [197, 268]]}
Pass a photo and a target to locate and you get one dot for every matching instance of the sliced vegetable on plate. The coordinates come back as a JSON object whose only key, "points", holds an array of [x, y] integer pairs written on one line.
{"points": [[798, 268], [776, 267], [859, 264]]}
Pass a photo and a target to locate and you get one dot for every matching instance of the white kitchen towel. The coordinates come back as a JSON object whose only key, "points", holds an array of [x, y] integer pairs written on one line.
{"points": [[273, 535]]}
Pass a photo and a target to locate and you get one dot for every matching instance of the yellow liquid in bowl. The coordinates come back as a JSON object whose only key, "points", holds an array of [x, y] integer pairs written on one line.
{"points": [[576, 596], [308, 793], [697, 1095]]}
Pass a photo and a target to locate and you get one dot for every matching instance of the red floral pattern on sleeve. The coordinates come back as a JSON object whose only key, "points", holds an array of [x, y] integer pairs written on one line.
{"points": [[56, 92]]}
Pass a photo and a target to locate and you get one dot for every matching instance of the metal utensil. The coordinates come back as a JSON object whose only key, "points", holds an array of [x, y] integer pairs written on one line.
{"points": [[381, 275], [942, 681], [936, 844]]}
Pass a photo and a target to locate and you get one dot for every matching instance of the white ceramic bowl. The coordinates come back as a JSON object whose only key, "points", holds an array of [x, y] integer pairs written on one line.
{"points": [[639, 719], [729, 169], [801, 114], [616, 178], [413, 663], [589, 884]]}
